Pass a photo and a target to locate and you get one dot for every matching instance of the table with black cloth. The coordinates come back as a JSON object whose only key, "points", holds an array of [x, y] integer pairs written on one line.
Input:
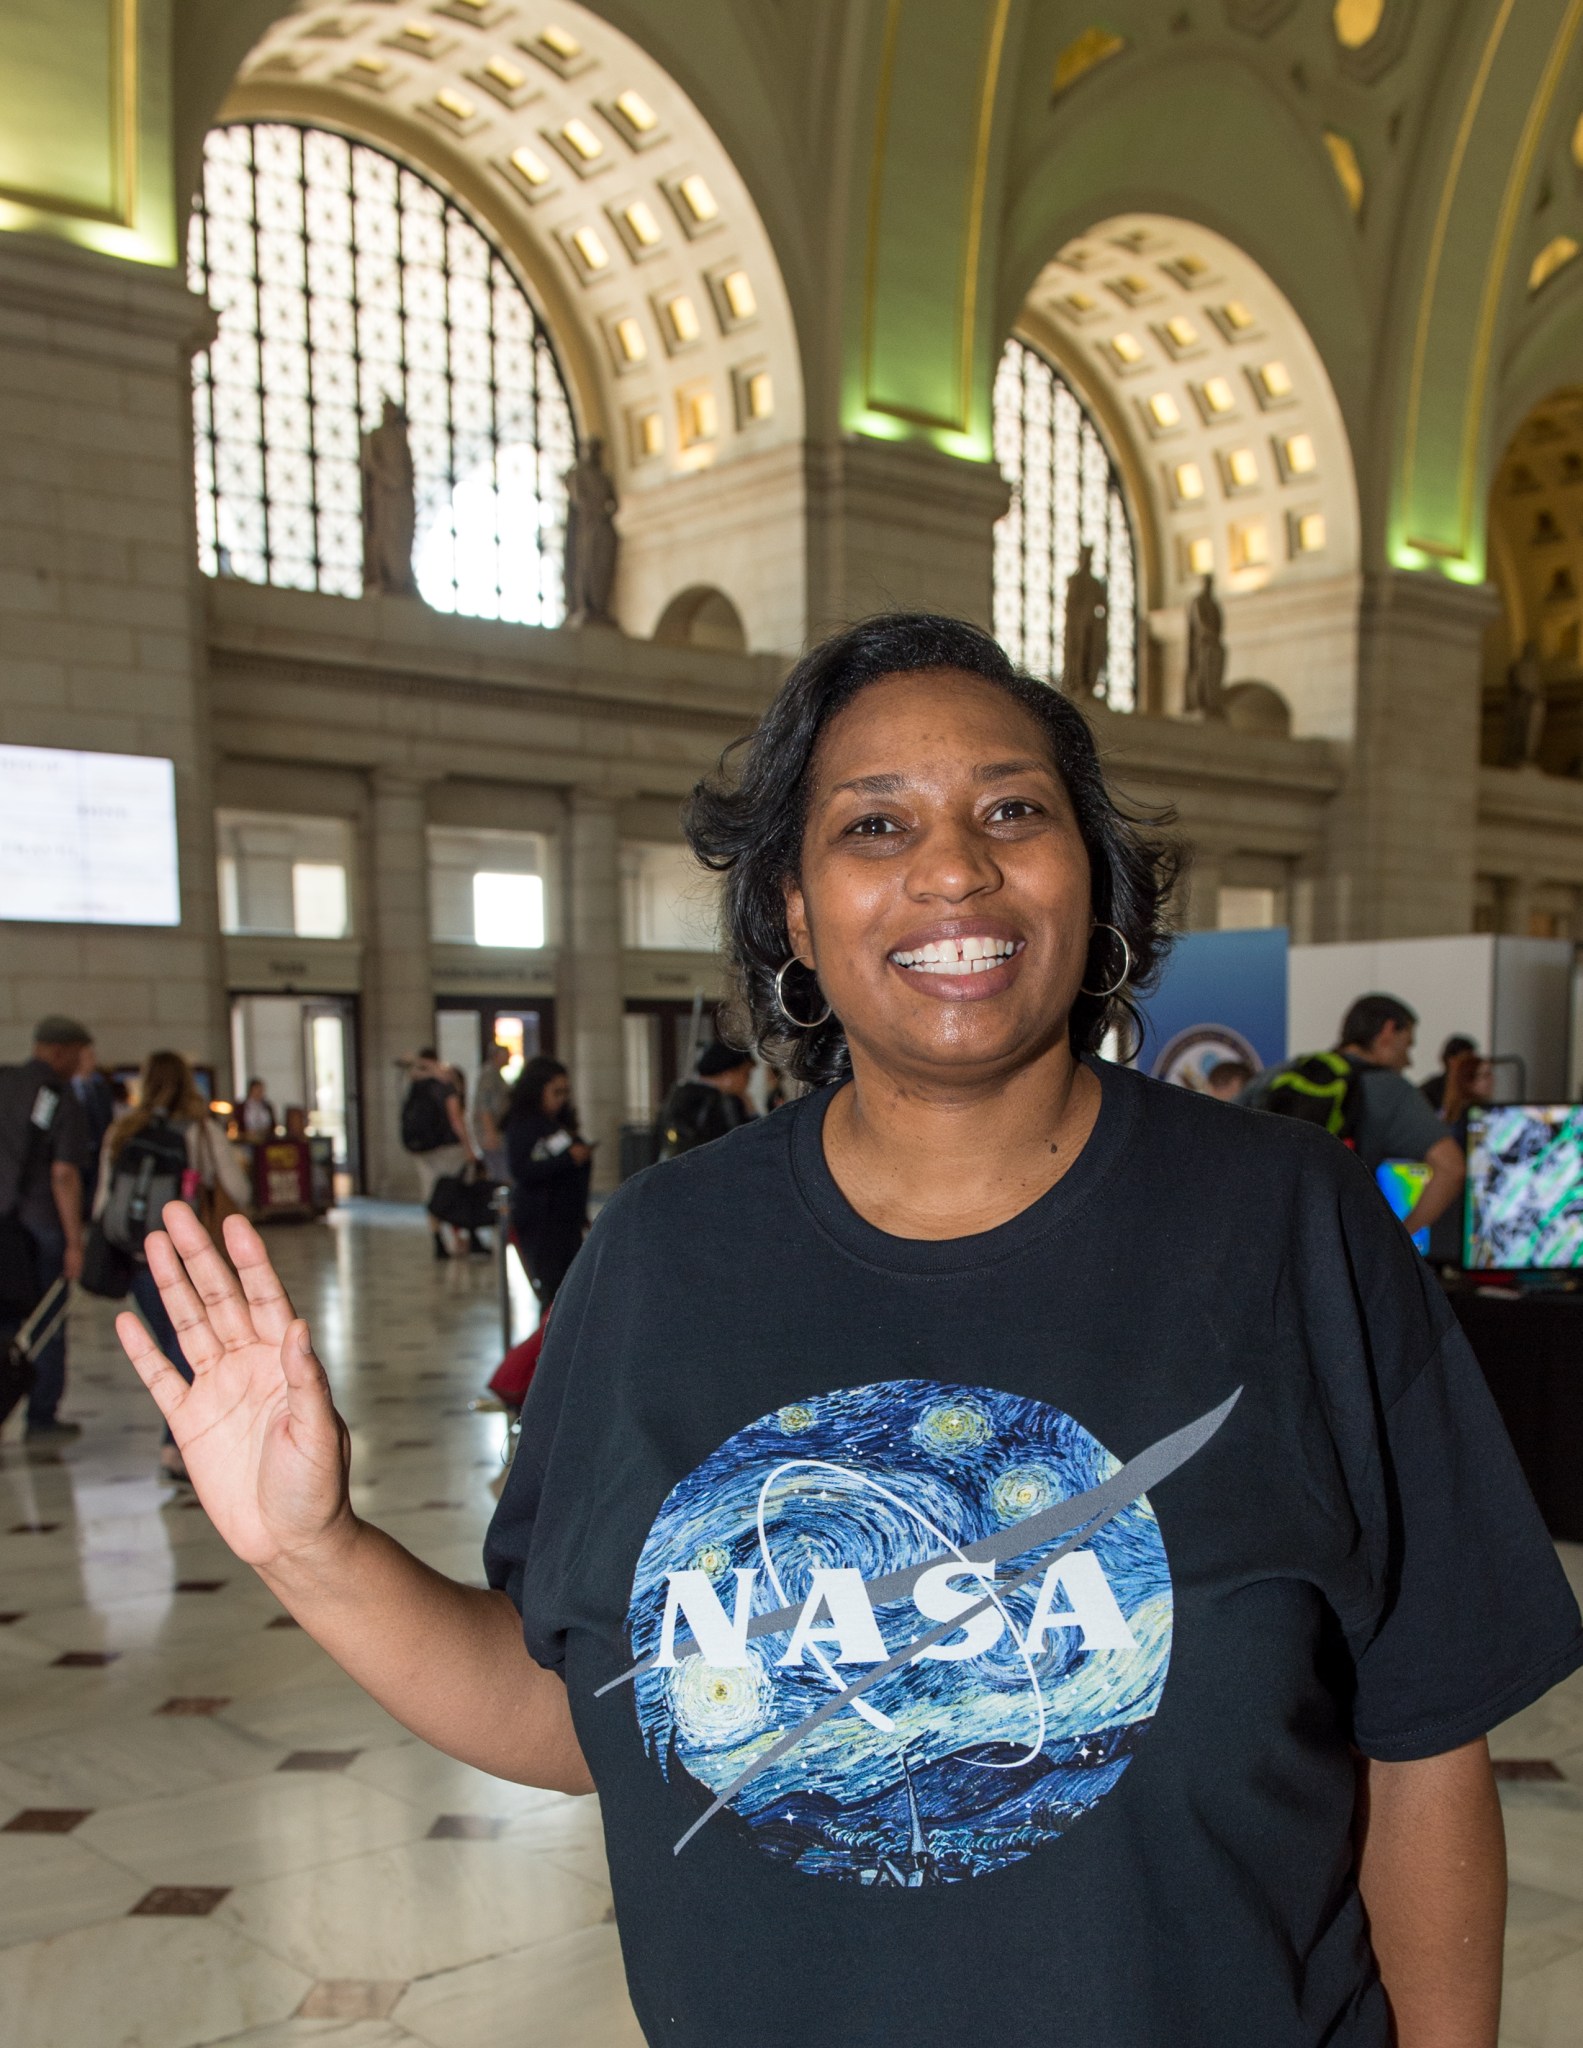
{"points": [[1530, 1346]]}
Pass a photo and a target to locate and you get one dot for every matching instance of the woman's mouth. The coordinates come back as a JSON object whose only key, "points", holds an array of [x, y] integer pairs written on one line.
{"points": [[957, 956]]}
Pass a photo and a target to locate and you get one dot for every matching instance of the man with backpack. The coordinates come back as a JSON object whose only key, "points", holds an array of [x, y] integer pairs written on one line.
{"points": [[43, 1163], [434, 1130], [1360, 1093], [713, 1102]]}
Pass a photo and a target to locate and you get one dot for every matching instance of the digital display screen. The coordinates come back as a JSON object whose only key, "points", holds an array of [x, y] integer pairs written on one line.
{"points": [[1525, 1188], [87, 838]]}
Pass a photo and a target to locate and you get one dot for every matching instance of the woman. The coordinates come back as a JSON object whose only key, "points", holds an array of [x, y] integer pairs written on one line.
{"points": [[549, 1167], [168, 1094], [1022, 1552]]}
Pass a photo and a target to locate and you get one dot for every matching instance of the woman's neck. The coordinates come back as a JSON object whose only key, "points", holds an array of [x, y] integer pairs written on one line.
{"points": [[926, 1159]]}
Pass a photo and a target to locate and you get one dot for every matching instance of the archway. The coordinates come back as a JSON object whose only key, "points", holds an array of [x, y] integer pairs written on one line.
{"points": [[1536, 563], [702, 617], [625, 219], [1231, 447]]}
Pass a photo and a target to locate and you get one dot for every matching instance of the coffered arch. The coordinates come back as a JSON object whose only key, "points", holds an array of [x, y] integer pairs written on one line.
{"points": [[605, 186]]}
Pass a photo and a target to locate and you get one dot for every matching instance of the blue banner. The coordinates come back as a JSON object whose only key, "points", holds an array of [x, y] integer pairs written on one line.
{"points": [[1222, 997]]}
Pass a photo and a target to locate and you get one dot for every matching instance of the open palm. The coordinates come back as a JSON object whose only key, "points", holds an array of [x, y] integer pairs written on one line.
{"points": [[256, 1429]]}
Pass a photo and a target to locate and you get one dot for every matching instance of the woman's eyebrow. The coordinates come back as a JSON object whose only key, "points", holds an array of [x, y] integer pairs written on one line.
{"points": [[992, 771], [872, 785]]}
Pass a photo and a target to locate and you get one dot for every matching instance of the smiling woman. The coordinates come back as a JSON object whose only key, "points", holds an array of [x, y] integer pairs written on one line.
{"points": [[995, 1505], [1037, 790]]}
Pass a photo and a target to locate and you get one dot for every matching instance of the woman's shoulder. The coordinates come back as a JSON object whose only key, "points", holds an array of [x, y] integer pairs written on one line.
{"points": [[1232, 1135], [743, 1167]]}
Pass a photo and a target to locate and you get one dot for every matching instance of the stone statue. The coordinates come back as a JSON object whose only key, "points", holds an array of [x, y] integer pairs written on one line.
{"points": [[390, 505], [590, 539], [1526, 706], [1206, 654], [1087, 640]]}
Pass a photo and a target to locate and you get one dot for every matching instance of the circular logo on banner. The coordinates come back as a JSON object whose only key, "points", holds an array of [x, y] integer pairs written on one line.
{"points": [[1193, 1055], [896, 1635]]}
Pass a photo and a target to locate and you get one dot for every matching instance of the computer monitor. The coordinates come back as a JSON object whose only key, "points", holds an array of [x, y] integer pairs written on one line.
{"points": [[1525, 1188]]}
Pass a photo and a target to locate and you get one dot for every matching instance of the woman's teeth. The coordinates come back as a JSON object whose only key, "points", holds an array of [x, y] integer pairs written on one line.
{"points": [[956, 956]]}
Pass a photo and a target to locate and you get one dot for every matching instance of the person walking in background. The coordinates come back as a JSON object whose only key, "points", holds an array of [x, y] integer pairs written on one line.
{"points": [[1381, 1114], [43, 1162], [1458, 1046], [92, 1089], [491, 1100], [256, 1119], [713, 1102], [434, 1130], [170, 1104], [549, 1166]]}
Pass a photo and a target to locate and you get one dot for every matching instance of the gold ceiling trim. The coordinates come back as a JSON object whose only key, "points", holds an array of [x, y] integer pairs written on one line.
{"points": [[122, 209], [978, 185], [1437, 243]]}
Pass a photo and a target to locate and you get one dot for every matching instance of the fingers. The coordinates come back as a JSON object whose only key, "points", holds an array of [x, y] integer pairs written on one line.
{"points": [[269, 1302], [200, 1343], [210, 1277], [307, 1388], [154, 1369]]}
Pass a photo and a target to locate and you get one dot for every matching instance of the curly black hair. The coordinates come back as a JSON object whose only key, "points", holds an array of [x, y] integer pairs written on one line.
{"points": [[747, 823]]}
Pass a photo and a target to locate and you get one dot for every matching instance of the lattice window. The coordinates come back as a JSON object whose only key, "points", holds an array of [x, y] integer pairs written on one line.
{"points": [[1065, 494], [341, 278]]}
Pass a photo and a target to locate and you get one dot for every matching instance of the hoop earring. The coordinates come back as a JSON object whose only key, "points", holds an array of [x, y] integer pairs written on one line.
{"points": [[1126, 968], [796, 1023]]}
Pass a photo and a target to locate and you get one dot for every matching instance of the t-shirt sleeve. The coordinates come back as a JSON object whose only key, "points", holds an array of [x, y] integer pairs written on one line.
{"points": [[1473, 1617], [68, 1134], [1408, 1126]]}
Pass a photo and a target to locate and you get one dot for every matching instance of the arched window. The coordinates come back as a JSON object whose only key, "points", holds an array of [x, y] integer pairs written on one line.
{"points": [[342, 279], [1065, 494]]}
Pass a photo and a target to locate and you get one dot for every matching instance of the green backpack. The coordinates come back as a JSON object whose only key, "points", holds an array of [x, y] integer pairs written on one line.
{"points": [[1324, 1088]]}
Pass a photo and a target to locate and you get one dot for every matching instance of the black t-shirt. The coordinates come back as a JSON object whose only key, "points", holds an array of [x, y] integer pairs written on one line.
{"points": [[1111, 1804]]}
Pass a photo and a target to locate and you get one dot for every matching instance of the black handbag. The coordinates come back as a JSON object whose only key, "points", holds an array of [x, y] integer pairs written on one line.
{"points": [[106, 1269], [464, 1200]]}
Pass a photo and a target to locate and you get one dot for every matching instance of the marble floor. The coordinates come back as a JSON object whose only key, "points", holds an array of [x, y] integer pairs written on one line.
{"points": [[208, 1836]]}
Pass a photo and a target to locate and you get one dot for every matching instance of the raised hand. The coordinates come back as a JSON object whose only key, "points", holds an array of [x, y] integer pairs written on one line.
{"points": [[257, 1430]]}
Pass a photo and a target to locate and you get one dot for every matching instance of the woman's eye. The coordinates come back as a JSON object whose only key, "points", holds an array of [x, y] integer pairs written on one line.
{"points": [[872, 828], [1014, 809]]}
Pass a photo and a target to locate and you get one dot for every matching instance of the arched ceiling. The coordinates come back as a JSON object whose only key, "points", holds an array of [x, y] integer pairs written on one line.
{"points": [[1215, 399], [597, 174], [1536, 534]]}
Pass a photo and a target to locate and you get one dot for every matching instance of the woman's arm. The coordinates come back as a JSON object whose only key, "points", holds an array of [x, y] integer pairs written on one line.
{"points": [[269, 1457], [1432, 1871]]}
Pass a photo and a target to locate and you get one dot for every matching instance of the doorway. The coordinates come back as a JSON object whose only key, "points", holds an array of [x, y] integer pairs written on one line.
{"points": [[305, 1050], [661, 1039], [466, 1026]]}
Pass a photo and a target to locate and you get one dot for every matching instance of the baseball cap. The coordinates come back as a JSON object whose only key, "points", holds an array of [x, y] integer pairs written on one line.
{"points": [[58, 1030]]}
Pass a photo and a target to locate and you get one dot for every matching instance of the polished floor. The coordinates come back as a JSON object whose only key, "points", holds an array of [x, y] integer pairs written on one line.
{"points": [[207, 1835]]}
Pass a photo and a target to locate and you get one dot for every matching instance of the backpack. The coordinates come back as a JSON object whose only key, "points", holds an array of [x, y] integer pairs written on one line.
{"points": [[425, 1122], [694, 1115], [149, 1171], [1324, 1088]]}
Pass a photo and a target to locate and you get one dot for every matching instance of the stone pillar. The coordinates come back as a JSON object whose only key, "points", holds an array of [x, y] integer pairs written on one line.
{"points": [[1403, 831], [397, 976], [589, 1033], [1204, 876], [896, 525], [101, 627]]}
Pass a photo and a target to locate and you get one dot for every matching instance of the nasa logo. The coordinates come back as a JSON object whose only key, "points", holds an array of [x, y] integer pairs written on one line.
{"points": [[906, 1632]]}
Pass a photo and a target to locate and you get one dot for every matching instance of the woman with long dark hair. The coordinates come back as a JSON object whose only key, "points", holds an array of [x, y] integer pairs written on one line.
{"points": [[1023, 1552], [168, 1096], [549, 1166]]}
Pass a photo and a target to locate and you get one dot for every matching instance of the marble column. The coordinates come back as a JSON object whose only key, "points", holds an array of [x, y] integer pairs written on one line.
{"points": [[1404, 828], [899, 525], [589, 1031], [398, 980]]}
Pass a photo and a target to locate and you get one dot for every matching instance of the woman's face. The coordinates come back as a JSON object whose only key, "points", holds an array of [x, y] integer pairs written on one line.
{"points": [[557, 1093], [945, 889]]}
